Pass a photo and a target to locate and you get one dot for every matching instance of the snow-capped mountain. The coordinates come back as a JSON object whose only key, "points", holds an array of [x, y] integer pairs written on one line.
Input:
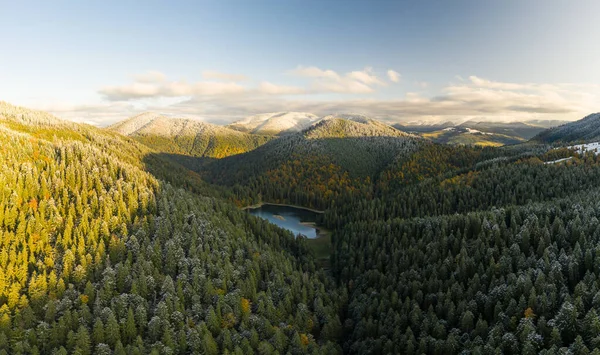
{"points": [[277, 123], [150, 123], [188, 136]]}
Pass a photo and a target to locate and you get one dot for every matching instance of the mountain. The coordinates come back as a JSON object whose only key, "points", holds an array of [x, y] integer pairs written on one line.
{"points": [[584, 130], [331, 156], [100, 255], [277, 123], [423, 127], [344, 126], [187, 136], [518, 130], [476, 133], [546, 123]]}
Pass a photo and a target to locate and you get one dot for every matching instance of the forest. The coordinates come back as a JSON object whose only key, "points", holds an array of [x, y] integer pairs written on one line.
{"points": [[459, 249], [100, 257], [112, 245]]}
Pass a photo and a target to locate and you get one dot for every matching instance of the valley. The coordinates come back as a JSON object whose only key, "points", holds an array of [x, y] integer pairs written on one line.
{"points": [[409, 247], [299, 177]]}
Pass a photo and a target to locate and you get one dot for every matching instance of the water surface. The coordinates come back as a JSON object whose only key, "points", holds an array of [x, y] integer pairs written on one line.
{"points": [[288, 217]]}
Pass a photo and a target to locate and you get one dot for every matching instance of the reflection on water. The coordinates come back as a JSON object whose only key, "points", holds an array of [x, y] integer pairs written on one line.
{"points": [[288, 217]]}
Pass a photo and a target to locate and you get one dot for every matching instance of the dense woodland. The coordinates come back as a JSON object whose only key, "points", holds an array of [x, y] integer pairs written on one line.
{"points": [[113, 247], [452, 249], [584, 130], [98, 256]]}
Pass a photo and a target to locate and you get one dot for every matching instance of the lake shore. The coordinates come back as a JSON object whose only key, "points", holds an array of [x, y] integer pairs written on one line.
{"points": [[321, 245], [258, 205]]}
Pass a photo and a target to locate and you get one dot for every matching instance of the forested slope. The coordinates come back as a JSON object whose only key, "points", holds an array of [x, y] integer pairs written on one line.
{"points": [[99, 256], [479, 250], [516, 280], [333, 158], [584, 130]]}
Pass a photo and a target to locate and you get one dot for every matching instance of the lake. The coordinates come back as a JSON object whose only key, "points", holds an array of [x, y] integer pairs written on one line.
{"points": [[288, 217]]}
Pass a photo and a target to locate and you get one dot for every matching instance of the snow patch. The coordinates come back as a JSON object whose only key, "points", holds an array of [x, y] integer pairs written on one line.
{"points": [[558, 160], [276, 122], [474, 131], [588, 147]]}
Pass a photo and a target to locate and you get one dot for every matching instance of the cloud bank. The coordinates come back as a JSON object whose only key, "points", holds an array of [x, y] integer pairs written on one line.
{"points": [[221, 97]]}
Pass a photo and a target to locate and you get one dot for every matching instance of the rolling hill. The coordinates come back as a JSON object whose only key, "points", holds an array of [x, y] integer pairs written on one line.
{"points": [[187, 136]]}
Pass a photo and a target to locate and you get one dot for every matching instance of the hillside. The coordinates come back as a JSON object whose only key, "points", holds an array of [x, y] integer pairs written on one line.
{"points": [[584, 130], [277, 123], [101, 256], [187, 136], [464, 249]]}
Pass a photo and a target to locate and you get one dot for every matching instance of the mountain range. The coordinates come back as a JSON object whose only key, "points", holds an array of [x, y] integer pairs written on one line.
{"points": [[478, 133], [195, 138]]}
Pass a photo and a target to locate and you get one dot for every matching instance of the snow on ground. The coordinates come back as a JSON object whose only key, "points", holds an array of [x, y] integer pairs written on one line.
{"points": [[558, 161], [589, 147], [276, 122], [473, 131]]}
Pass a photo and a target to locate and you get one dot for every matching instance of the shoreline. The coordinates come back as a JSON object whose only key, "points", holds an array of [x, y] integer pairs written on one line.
{"points": [[319, 231], [258, 205]]}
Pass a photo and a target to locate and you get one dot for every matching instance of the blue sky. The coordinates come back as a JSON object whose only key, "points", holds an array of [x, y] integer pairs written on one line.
{"points": [[101, 61]]}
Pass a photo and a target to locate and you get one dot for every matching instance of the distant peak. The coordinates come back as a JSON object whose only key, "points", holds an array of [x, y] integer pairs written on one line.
{"points": [[276, 123], [350, 117]]}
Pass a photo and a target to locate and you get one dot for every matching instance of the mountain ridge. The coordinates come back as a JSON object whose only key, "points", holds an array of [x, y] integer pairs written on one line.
{"points": [[275, 123], [187, 136], [584, 130]]}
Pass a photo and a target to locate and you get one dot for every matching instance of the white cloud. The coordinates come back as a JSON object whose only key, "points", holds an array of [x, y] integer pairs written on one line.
{"points": [[139, 90], [314, 72], [455, 102], [365, 76], [128, 92], [327, 80], [151, 76], [216, 75], [393, 75], [274, 89], [224, 101]]}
